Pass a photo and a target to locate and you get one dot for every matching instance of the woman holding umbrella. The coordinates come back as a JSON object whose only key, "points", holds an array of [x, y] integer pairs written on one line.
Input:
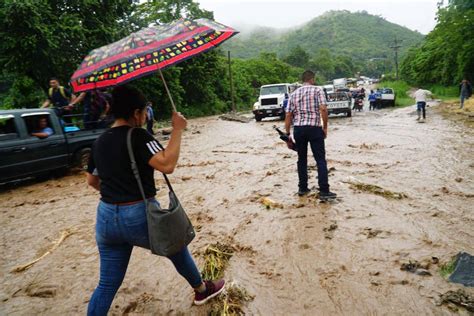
{"points": [[121, 214]]}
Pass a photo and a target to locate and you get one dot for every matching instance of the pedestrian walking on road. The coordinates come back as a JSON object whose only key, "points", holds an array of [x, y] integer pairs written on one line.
{"points": [[372, 100], [465, 91], [121, 215], [306, 107], [420, 98], [150, 118]]}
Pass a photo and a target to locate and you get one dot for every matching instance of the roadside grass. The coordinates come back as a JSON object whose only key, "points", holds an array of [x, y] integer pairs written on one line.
{"points": [[444, 93], [402, 88]]}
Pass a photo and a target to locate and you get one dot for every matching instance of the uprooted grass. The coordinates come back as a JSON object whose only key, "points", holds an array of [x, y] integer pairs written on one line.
{"points": [[216, 258], [447, 268], [375, 189], [231, 301]]}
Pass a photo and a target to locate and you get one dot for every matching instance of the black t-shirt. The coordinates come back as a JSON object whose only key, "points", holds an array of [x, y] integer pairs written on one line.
{"points": [[58, 99], [111, 162]]}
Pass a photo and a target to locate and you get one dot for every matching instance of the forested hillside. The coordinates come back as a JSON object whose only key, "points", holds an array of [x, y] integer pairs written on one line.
{"points": [[359, 35]]}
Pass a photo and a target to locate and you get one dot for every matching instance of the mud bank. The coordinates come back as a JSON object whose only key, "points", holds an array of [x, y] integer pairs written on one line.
{"points": [[300, 258]]}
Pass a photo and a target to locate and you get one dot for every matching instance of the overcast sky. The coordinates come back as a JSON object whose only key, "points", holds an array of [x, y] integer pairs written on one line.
{"points": [[417, 15]]}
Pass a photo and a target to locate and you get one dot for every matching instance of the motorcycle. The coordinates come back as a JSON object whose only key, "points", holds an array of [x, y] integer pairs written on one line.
{"points": [[358, 103]]}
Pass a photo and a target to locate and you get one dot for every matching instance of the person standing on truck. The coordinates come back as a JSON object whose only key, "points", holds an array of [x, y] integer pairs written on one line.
{"points": [[94, 104], [61, 98], [306, 106], [465, 91]]}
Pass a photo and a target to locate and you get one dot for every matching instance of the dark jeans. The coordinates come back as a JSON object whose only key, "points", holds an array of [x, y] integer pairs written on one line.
{"points": [[149, 127], [118, 229], [315, 137], [421, 106]]}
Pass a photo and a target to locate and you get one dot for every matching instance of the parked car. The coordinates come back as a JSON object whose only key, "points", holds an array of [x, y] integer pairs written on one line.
{"points": [[23, 155]]}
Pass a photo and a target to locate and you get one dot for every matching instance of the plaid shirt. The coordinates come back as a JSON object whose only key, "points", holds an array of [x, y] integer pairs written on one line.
{"points": [[304, 104]]}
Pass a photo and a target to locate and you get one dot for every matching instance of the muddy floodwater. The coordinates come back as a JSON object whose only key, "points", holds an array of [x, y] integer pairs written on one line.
{"points": [[297, 257]]}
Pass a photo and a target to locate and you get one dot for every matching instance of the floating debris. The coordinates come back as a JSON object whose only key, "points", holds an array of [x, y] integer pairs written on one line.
{"points": [[64, 234], [216, 258], [269, 203], [457, 298], [231, 301], [375, 189], [416, 268], [235, 118]]}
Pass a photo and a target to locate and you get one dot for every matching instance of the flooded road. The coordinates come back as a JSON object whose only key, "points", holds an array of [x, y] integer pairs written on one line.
{"points": [[300, 257]]}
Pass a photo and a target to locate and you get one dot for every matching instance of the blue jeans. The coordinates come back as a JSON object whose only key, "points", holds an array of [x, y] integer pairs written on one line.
{"points": [[118, 229], [421, 107], [315, 137]]}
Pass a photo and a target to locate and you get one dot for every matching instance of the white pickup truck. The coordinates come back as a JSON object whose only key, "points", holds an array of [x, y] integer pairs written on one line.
{"points": [[339, 102], [270, 102], [387, 97]]}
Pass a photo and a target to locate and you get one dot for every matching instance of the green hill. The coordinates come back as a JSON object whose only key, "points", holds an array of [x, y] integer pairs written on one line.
{"points": [[359, 35]]}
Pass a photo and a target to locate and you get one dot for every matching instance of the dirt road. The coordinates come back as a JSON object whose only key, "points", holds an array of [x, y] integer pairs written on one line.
{"points": [[301, 258]]}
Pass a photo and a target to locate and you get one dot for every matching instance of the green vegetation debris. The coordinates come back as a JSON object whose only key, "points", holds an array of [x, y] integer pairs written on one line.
{"points": [[375, 189], [447, 268], [216, 258], [231, 301]]}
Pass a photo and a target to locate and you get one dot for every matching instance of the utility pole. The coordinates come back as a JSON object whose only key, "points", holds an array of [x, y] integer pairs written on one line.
{"points": [[231, 83], [395, 46]]}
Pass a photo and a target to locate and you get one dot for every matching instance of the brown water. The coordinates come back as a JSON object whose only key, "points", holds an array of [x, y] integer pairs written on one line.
{"points": [[306, 258]]}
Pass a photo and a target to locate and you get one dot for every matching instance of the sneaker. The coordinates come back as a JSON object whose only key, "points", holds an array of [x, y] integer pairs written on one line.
{"points": [[213, 288], [303, 192], [327, 195]]}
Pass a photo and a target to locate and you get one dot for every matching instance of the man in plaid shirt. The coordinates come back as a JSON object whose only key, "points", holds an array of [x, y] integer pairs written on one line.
{"points": [[306, 109]]}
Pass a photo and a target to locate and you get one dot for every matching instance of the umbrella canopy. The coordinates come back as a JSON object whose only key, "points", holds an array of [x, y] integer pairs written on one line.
{"points": [[146, 51]]}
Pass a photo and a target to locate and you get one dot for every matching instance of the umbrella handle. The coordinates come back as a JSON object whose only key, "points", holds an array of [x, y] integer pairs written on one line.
{"points": [[167, 90]]}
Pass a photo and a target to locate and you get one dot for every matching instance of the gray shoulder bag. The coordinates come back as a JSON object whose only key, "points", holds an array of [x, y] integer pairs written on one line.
{"points": [[169, 230]]}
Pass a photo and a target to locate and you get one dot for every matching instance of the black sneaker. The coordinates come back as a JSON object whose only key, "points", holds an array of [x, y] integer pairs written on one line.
{"points": [[327, 195], [302, 192]]}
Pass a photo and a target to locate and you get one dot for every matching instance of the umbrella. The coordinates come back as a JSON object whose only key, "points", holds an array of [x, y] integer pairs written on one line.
{"points": [[146, 51]]}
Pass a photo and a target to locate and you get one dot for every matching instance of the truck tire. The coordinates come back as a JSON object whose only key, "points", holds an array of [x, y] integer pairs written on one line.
{"points": [[258, 118], [82, 159], [349, 113]]}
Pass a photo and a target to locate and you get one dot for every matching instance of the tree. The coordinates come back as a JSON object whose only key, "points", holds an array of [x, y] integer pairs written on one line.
{"points": [[44, 38], [445, 57], [297, 57], [322, 63]]}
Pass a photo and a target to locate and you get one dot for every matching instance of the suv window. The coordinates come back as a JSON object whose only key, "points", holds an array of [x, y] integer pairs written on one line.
{"points": [[7, 127], [387, 91]]}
